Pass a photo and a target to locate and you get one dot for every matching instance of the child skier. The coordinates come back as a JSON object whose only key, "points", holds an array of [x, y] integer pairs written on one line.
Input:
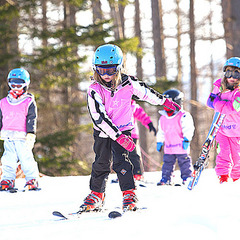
{"points": [[18, 117], [225, 98], [175, 131], [109, 105], [139, 115]]}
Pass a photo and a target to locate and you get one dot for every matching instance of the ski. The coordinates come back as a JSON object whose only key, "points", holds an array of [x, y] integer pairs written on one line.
{"points": [[140, 183], [15, 190], [74, 214], [115, 214], [202, 162]]}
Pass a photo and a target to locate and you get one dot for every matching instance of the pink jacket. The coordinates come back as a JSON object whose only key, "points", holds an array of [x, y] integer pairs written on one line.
{"points": [[172, 130], [231, 124], [111, 112], [17, 116], [140, 115]]}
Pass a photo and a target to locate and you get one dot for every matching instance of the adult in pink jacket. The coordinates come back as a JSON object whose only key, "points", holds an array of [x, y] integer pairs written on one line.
{"points": [[225, 98]]}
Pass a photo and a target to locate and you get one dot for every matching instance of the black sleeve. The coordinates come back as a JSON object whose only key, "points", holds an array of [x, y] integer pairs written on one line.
{"points": [[32, 118]]}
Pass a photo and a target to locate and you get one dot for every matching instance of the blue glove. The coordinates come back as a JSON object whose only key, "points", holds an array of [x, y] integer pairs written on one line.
{"points": [[185, 143], [159, 146]]}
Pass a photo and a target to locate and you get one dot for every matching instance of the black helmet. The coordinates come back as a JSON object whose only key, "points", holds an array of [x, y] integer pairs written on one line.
{"points": [[175, 95]]}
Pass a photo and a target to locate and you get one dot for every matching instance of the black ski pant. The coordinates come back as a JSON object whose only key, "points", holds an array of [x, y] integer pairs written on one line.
{"points": [[136, 161], [107, 150]]}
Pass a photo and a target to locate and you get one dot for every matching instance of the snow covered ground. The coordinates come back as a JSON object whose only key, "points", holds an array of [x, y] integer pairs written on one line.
{"points": [[210, 211]]}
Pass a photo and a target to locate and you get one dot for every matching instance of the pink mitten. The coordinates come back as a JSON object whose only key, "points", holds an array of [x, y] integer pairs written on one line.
{"points": [[126, 142]]}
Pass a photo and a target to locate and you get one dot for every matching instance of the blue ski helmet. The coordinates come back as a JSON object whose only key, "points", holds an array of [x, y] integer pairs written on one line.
{"points": [[19, 74], [108, 54], [175, 95], [232, 62]]}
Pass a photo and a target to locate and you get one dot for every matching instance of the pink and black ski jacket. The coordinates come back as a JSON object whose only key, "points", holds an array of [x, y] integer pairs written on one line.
{"points": [[112, 113]]}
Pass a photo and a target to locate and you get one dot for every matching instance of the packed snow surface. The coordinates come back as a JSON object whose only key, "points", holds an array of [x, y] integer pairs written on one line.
{"points": [[210, 211]]}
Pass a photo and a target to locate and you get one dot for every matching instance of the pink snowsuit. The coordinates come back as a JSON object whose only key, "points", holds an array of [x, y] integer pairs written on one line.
{"points": [[228, 136]]}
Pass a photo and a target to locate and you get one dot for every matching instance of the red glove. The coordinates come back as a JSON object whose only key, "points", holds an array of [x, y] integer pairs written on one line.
{"points": [[126, 142], [171, 105]]}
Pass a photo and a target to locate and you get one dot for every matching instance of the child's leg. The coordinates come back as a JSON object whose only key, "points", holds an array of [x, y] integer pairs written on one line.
{"points": [[223, 159], [123, 167], [235, 152], [135, 160], [184, 162], [26, 158], [101, 167], [168, 166], [9, 161]]}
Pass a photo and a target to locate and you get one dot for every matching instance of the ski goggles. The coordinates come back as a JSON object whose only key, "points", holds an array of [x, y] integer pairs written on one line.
{"points": [[13, 85], [234, 74], [106, 70], [16, 83]]}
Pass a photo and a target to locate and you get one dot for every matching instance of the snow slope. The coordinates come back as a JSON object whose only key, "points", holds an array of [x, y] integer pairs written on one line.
{"points": [[210, 211]]}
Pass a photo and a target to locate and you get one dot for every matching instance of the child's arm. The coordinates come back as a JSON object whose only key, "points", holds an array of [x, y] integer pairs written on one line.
{"points": [[160, 137], [227, 107], [214, 93], [99, 116], [32, 118], [145, 93], [143, 118], [187, 126], [31, 123]]}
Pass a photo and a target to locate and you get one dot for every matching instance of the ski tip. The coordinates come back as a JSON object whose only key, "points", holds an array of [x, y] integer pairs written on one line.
{"points": [[114, 214], [58, 214]]}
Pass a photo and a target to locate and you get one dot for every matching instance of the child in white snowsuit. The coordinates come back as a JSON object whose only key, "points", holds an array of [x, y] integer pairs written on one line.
{"points": [[18, 117], [175, 130]]}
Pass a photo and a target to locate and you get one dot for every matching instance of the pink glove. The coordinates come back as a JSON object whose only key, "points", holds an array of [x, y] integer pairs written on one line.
{"points": [[126, 142], [171, 105]]}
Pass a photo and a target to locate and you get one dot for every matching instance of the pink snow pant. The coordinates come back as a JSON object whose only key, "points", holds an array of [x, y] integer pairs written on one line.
{"points": [[228, 160]]}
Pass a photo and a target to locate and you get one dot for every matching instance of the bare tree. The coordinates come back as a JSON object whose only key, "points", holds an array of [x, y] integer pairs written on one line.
{"points": [[97, 11], [179, 33], [115, 15], [194, 107], [231, 21], [158, 39]]}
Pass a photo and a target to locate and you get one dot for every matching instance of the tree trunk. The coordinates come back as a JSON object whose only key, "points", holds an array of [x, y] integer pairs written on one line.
{"points": [[179, 32], [158, 39], [142, 129], [231, 21], [194, 108]]}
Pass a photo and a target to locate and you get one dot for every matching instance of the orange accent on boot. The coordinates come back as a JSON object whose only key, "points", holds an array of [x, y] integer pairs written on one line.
{"points": [[93, 200], [129, 199], [223, 178], [7, 184], [31, 184]]}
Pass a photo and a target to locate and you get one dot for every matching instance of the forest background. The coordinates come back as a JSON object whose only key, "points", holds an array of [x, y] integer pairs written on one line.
{"points": [[166, 43]]}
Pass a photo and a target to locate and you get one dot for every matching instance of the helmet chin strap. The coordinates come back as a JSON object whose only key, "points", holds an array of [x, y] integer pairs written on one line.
{"points": [[16, 93]]}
